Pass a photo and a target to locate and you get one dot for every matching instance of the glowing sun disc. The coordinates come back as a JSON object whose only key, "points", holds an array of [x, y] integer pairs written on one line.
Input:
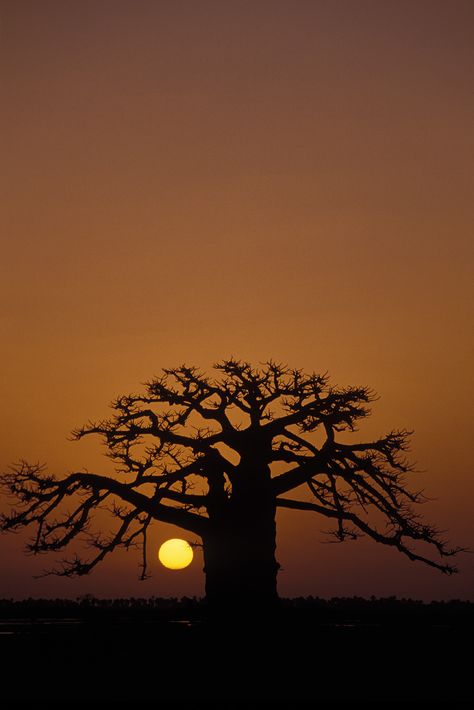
{"points": [[175, 554]]}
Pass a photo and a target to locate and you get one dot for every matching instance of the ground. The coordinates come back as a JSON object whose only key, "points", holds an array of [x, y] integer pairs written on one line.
{"points": [[316, 653]]}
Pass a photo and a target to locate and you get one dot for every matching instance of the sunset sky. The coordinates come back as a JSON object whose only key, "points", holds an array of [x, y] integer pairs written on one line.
{"points": [[185, 181]]}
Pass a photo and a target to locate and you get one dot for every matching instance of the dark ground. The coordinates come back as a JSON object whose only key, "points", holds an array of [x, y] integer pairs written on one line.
{"points": [[314, 654]]}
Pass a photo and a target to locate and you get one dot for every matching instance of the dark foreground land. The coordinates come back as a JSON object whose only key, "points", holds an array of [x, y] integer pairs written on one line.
{"points": [[162, 652]]}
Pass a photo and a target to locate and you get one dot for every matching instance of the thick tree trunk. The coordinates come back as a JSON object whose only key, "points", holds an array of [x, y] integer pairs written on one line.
{"points": [[239, 557]]}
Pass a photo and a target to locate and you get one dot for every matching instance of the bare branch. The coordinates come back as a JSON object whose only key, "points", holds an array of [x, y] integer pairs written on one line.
{"points": [[394, 540], [179, 459]]}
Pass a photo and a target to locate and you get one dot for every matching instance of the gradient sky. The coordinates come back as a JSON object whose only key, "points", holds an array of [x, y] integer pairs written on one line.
{"points": [[184, 181]]}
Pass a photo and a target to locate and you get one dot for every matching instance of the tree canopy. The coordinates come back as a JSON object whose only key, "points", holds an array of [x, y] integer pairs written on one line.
{"points": [[191, 448]]}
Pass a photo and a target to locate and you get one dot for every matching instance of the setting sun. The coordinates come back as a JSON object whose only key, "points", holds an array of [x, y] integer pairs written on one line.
{"points": [[175, 554]]}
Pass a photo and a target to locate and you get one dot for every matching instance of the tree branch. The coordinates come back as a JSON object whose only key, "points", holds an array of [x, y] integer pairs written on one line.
{"points": [[395, 540]]}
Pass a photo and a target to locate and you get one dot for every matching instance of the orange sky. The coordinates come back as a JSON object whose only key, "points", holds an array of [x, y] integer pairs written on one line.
{"points": [[187, 181]]}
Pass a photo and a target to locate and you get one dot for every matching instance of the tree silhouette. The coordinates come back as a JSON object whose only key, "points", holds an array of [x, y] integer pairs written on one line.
{"points": [[217, 457]]}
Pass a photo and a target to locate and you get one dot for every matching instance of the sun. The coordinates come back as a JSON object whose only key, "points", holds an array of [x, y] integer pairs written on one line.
{"points": [[175, 554]]}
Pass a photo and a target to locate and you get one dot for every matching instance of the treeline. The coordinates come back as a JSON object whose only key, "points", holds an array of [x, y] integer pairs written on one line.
{"points": [[89, 601], [337, 610], [173, 602]]}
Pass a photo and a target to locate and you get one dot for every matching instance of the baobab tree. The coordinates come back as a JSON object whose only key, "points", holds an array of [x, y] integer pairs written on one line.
{"points": [[217, 457]]}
